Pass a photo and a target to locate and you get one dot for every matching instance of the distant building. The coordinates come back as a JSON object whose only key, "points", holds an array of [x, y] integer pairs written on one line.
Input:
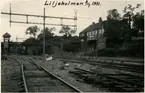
{"points": [[6, 43], [92, 35]]}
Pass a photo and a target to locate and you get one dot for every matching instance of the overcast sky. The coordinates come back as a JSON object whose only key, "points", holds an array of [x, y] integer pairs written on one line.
{"points": [[85, 15]]}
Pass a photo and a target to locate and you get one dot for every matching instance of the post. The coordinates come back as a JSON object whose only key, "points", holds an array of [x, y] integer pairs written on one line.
{"points": [[10, 15], [44, 36], [97, 44], [82, 41], [17, 46], [61, 49]]}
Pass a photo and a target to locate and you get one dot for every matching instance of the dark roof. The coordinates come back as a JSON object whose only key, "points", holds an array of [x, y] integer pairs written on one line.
{"points": [[35, 42], [31, 42], [7, 35], [91, 27]]}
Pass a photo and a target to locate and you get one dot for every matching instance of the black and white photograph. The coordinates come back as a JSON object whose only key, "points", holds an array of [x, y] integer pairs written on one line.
{"points": [[79, 46]]}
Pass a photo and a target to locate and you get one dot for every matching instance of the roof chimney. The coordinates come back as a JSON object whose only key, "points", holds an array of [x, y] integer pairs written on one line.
{"points": [[100, 20], [93, 23]]}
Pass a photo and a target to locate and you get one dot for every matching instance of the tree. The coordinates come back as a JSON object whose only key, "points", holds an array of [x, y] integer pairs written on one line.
{"points": [[67, 31], [138, 21], [113, 28], [129, 13], [113, 14], [32, 30], [48, 33]]}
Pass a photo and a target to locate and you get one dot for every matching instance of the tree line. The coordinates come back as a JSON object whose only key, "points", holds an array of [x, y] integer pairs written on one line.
{"points": [[118, 28]]}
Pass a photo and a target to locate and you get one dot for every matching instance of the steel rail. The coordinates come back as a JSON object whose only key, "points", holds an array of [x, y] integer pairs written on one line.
{"points": [[113, 78], [104, 61], [101, 64], [71, 86], [23, 75], [120, 60]]}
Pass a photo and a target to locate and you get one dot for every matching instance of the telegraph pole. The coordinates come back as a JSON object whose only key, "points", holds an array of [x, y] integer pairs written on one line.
{"points": [[44, 36], [10, 15], [97, 44]]}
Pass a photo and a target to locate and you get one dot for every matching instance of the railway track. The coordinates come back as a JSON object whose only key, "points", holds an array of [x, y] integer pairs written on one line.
{"points": [[22, 83], [121, 60], [131, 82], [111, 65], [115, 82], [38, 79]]}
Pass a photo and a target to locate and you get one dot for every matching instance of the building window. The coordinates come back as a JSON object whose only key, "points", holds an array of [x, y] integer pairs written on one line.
{"points": [[100, 31], [96, 32], [93, 33], [82, 35], [87, 33], [90, 33]]}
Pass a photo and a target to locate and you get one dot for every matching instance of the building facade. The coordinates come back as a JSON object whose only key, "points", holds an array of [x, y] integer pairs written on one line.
{"points": [[92, 37]]}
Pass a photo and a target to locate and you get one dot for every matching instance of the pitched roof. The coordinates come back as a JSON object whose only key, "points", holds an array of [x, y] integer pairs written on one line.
{"points": [[92, 27], [31, 42], [7, 35], [35, 42]]}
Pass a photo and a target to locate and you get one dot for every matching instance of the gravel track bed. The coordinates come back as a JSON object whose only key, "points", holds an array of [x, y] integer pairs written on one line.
{"points": [[55, 67], [38, 80], [10, 69]]}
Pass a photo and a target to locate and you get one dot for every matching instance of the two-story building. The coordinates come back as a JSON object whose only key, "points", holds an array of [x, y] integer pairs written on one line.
{"points": [[92, 37]]}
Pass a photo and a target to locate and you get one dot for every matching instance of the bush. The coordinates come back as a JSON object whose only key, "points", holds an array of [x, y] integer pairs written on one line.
{"points": [[106, 52], [70, 47], [102, 52], [90, 53], [122, 52]]}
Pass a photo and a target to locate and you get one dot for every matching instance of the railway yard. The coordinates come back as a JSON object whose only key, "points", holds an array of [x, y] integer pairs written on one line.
{"points": [[32, 74], [79, 48]]}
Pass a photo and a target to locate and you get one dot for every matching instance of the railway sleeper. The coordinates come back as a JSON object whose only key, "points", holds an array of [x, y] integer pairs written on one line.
{"points": [[15, 78], [121, 68], [110, 75], [106, 82], [80, 75], [130, 90], [106, 62], [128, 85], [20, 83], [127, 81], [115, 86], [114, 66]]}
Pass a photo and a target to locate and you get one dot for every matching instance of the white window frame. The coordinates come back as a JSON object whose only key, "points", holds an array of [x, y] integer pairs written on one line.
{"points": [[87, 33]]}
